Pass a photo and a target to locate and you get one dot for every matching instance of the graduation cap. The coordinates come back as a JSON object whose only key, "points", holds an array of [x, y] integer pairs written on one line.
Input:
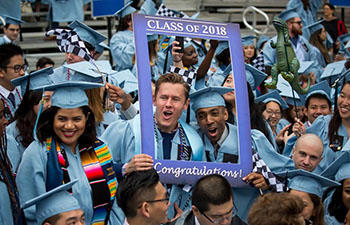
{"points": [[305, 181], [248, 40], [219, 77], [209, 97], [152, 37], [101, 47], [54, 202], [13, 20], [254, 76], [221, 47], [320, 88], [344, 38], [333, 71], [345, 75], [261, 41], [70, 94], [347, 45], [36, 79], [272, 96], [228, 70], [188, 42], [85, 71], [124, 79], [286, 91], [126, 10], [86, 33], [315, 27], [304, 66], [129, 86], [288, 14], [339, 169]]}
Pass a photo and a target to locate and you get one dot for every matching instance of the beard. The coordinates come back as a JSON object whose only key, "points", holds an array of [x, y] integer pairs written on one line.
{"points": [[296, 31]]}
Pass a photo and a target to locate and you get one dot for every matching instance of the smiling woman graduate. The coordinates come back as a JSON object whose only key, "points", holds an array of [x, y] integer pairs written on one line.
{"points": [[67, 148]]}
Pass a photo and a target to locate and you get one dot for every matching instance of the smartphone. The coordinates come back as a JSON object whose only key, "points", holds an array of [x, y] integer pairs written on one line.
{"points": [[181, 44], [290, 129]]}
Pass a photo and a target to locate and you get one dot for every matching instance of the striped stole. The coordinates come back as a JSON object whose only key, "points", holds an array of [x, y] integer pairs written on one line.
{"points": [[97, 164]]}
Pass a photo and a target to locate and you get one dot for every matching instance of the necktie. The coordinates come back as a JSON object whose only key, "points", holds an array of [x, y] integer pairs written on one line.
{"points": [[216, 150], [12, 99]]}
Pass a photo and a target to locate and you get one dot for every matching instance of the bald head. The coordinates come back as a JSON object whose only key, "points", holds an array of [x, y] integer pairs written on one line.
{"points": [[307, 153]]}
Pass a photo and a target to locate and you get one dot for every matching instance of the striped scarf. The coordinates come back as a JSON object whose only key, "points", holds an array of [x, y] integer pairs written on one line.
{"points": [[97, 164]]}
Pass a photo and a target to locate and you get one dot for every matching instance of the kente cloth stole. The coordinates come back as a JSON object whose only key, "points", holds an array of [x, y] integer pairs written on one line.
{"points": [[97, 164]]}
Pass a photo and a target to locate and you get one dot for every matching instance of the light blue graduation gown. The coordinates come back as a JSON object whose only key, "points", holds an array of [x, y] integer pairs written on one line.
{"points": [[321, 63], [245, 197], [6, 217], [217, 78], [12, 132], [3, 40], [8, 103], [31, 179], [329, 220], [228, 147], [122, 49], [303, 51], [66, 10], [108, 118], [308, 17], [272, 136], [320, 59], [280, 125], [320, 128], [177, 194], [120, 140], [122, 43], [155, 71], [15, 149]]}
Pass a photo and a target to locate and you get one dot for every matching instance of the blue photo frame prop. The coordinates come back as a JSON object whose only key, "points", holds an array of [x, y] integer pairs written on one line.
{"points": [[188, 172]]}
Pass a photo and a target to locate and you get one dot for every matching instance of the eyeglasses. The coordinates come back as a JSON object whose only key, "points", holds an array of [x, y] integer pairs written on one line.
{"points": [[166, 200], [298, 22], [13, 30], [270, 113], [221, 218], [18, 68]]}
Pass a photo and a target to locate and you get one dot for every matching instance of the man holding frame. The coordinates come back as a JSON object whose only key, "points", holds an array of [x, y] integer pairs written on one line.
{"points": [[175, 141]]}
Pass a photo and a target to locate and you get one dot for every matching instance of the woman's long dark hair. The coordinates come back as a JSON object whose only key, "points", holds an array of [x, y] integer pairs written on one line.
{"points": [[336, 207], [45, 127], [223, 58], [257, 120], [9, 180], [25, 117], [335, 122], [318, 219], [123, 25], [316, 41]]}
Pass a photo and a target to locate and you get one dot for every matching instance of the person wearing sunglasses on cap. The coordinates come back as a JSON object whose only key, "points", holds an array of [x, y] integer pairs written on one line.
{"points": [[302, 48]]}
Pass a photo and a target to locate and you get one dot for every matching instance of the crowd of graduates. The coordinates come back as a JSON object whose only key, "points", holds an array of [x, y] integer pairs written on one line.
{"points": [[70, 149]]}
